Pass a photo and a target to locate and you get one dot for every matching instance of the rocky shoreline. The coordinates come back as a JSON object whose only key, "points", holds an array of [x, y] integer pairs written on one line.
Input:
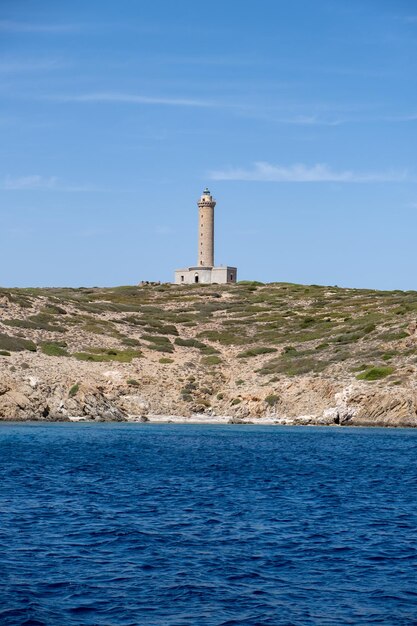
{"points": [[109, 400]]}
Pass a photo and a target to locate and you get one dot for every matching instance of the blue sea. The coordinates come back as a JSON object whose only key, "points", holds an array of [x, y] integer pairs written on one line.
{"points": [[125, 524]]}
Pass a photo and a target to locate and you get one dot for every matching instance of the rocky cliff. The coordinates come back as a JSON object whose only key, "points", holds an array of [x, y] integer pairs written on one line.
{"points": [[291, 353]]}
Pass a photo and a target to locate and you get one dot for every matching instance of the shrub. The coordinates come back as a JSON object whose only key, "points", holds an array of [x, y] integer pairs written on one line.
{"points": [[353, 336], [307, 321], [235, 401], [74, 390], [53, 309], [41, 321], [250, 283], [190, 343], [4, 353], [272, 399], [168, 329], [292, 366], [130, 341], [166, 360], [255, 352], [220, 396], [211, 360], [168, 348], [132, 382], [375, 373], [190, 386], [240, 382], [209, 350], [99, 355], [224, 337], [158, 339], [15, 344], [289, 350], [100, 327], [54, 349]]}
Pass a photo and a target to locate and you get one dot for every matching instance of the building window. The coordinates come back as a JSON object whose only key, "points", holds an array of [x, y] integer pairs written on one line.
{"points": [[231, 277], [196, 278], [182, 279]]}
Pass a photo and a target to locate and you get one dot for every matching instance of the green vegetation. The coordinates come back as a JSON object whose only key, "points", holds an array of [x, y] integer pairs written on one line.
{"points": [[129, 341], [211, 360], [74, 390], [190, 343], [15, 344], [99, 355], [185, 395], [272, 399], [255, 352], [132, 382], [54, 349], [158, 343], [41, 321], [53, 309], [375, 373], [227, 338], [4, 353], [307, 329], [292, 366]]}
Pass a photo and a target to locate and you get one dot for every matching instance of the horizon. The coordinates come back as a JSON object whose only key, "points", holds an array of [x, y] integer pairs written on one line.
{"points": [[300, 119]]}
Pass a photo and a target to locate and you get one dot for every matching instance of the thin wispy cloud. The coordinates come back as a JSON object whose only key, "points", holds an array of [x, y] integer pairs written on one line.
{"points": [[12, 26], [251, 111], [14, 66], [298, 120], [301, 173], [127, 98], [329, 115], [35, 182], [312, 120], [410, 117]]}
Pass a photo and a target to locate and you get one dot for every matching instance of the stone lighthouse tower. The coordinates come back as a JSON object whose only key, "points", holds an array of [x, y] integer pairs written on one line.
{"points": [[206, 206], [205, 271]]}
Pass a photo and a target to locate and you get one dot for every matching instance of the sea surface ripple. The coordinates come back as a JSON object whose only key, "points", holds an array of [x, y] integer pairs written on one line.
{"points": [[125, 524]]}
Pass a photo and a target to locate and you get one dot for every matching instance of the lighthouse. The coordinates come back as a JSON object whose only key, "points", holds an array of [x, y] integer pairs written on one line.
{"points": [[205, 271], [206, 206]]}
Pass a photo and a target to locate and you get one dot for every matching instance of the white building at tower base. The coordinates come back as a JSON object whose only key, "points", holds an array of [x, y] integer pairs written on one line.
{"points": [[206, 275]]}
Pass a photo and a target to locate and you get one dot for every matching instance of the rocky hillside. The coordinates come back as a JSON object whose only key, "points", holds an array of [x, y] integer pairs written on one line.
{"points": [[293, 353]]}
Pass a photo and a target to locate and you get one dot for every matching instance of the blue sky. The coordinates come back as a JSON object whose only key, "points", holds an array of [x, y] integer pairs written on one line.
{"points": [[300, 116]]}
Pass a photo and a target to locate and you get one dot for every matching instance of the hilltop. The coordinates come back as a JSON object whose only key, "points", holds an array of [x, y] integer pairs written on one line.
{"points": [[289, 353]]}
